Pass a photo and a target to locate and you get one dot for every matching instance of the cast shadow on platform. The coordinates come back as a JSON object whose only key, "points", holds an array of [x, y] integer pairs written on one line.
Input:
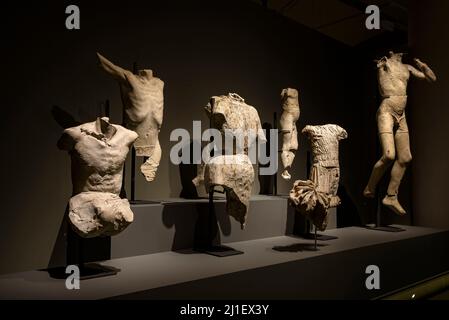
{"points": [[299, 247]]}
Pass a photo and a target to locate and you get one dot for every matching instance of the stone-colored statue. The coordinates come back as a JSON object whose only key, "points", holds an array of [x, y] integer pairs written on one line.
{"points": [[314, 197], [236, 175], [233, 171], [290, 115], [325, 170], [143, 102], [98, 151], [311, 202], [393, 76], [231, 113]]}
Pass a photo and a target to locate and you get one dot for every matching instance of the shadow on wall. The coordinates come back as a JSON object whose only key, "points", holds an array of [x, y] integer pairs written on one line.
{"points": [[195, 225], [188, 172], [267, 182], [347, 213]]}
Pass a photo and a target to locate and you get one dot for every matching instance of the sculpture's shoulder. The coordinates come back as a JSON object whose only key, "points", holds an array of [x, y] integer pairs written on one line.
{"points": [[331, 131], [310, 130], [74, 133], [124, 134], [338, 131], [69, 138], [157, 82], [152, 83]]}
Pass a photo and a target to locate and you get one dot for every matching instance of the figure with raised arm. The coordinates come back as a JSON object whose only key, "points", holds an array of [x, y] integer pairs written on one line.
{"points": [[393, 77]]}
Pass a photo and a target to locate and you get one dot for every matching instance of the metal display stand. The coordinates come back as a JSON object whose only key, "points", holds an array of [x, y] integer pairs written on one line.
{"points": [[212, 228], [379, 226], [211, 249], [89, 270], [275, 127], [308, 234]]}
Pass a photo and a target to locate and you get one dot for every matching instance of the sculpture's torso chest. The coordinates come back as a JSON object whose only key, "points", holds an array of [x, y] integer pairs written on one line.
{"points": [[393, 79], [143, 100], [100, 156]]}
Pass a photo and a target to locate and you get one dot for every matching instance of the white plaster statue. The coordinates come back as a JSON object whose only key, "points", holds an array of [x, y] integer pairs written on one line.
{"points": [[235, 174], [233, 171], [290, 115], [230, 113], [143, 102], [98, 151], [393, 77], [325, 171], [314, 197], [311, 203]]}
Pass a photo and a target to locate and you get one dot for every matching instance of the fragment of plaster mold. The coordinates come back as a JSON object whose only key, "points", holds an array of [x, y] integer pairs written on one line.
{"points": [[311, 203], [233, 171], [235, 174], [230, 114], [325, 171], [143, 103], [393, 77], [98, 152], [314, 197], [290, 115]]}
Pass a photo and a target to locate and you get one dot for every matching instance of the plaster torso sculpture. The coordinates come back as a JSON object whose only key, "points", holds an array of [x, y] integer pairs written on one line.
{"points": [[234, 171], [230, 114], [143, 102], [325, 171], [393, 77], [98, 151], [314, 197], [290, 115]]}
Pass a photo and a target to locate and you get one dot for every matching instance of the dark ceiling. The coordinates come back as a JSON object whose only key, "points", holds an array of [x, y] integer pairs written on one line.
{"points": [[343, 20]]}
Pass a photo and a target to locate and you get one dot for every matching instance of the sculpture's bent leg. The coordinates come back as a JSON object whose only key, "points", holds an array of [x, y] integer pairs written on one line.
{"points": [[404, 157], [388, 157]]}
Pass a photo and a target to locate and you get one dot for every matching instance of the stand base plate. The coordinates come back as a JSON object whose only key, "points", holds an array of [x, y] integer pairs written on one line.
{"points": [[137, 202], [319, 237], [385, 229], [220, 251], [87, 271]]}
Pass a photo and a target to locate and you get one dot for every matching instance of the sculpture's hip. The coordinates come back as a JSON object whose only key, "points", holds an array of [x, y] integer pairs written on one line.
{"points": [[391, 115]]}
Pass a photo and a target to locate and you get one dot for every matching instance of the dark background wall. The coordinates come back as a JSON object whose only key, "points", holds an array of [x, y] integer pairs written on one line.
{"points": [[199, 49], [429, 39]]}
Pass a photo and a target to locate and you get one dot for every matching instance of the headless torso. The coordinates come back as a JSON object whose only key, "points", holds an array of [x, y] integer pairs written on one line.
{"points": [[325, 172], [393, 76], [98, 151], [143, 103], [290, 115]]}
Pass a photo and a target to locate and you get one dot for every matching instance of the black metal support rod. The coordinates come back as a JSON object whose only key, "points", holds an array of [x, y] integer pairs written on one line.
{"points": [[133, 157], [107, 109], [275, 127], [133, 174]]}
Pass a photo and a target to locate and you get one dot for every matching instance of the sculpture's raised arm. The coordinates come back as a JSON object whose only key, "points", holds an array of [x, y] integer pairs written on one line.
{"points": [[424, 72], [117, 72]]}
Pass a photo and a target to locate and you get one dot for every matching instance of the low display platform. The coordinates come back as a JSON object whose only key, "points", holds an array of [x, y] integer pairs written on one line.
{"points": [[179, 224], [273, 268]]}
